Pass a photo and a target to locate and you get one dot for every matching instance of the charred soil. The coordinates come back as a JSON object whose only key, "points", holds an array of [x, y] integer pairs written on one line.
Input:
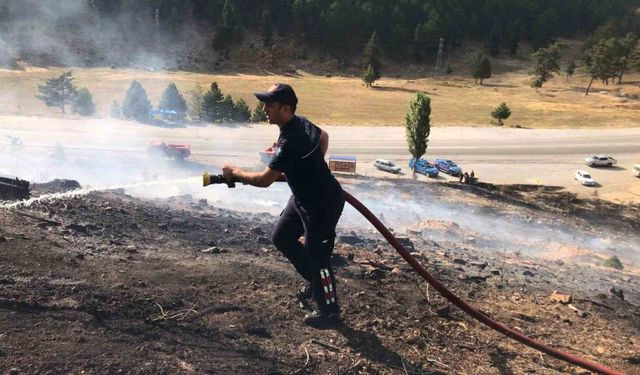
{"points": [[109, 283]]}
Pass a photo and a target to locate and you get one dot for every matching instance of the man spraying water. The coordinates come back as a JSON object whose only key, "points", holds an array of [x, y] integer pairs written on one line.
{"points": [[314, 207]]}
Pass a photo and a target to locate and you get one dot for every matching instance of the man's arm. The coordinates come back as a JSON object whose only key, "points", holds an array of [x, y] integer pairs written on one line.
{"points": [[324, 141], [259, 179]]}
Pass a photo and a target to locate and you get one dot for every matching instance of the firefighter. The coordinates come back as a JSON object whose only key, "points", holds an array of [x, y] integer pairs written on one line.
{"points": [[314, 207]]}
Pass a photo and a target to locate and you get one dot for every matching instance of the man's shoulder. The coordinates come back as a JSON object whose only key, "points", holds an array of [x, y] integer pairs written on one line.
{"points": [[305, 121]]}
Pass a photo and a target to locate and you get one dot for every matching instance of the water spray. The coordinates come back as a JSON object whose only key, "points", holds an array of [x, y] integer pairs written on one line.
{"points": [[85, 191], [445, 292]]}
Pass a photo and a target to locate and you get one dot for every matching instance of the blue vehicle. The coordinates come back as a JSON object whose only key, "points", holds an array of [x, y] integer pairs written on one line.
{"points": [[448, 167], [423, 167]]}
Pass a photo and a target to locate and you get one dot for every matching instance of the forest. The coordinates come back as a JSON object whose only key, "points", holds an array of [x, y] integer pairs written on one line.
{"points": [[407, 29]]}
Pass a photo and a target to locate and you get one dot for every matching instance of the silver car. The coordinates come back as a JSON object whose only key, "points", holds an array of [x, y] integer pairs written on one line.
{"points": [[386, 165], [600, 161]]}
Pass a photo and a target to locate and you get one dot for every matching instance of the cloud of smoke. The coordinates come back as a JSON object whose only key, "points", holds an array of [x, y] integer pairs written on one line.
{"points": [[81, 33], [125, 163]]}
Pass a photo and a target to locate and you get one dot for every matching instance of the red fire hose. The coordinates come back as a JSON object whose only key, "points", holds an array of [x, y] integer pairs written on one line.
{"points": [[470, 310]]}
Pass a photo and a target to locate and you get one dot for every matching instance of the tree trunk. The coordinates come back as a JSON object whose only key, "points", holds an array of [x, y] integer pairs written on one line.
{"points": [[621, 72], [589, 87], [480, 81]]}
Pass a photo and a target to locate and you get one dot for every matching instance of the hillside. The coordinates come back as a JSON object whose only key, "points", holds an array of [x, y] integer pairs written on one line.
{"points": [[179, 285], [343, 100]]}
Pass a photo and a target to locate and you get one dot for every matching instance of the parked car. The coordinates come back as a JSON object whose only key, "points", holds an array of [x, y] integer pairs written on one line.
{"points": [[423, 167], [386, 165], [584, 178], [448, 167], [636, 170], [600, 161]]}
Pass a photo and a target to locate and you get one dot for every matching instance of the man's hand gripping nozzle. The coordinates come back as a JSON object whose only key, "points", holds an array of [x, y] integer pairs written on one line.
{"points": [[208, 179]]}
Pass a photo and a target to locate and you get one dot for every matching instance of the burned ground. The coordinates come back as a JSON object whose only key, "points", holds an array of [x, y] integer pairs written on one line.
{"points": [[109, 283]]}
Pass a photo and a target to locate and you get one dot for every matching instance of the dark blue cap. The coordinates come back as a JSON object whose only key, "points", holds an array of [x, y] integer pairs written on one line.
{"points": [[279, 92]]}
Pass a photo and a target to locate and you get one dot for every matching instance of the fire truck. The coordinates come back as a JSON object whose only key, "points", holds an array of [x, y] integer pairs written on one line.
{"points": [[175, 151]]}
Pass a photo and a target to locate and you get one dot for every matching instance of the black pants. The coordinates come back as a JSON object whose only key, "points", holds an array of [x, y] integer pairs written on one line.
{"points": [[311, 260]]}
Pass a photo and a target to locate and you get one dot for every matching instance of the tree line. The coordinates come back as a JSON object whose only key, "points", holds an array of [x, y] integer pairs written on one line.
{"points": [[342, 25], [339, 27], [210, 106]]}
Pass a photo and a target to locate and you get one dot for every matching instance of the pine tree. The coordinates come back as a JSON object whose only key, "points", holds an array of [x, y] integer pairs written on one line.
{"points": [[417, 125], [171, 99], [211, 103], [196, 103], [226, 108], [136, 104], [227, 28], [229, 14], [372, 56], [501, 113], [259, 115], [481, 67], [57, 92], [570, 69], [546, 62], [83, 103], [241, 111], [266, 29], [368, 76]]}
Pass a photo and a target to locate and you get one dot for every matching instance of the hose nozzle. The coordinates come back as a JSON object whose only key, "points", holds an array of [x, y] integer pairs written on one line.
{"points": [[208, 179]]}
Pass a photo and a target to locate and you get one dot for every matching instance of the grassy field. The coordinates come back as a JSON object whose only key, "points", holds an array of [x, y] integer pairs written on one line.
{"points": [[345, 101]]}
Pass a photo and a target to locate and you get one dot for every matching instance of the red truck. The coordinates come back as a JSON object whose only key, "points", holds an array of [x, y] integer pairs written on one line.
{"points": [[172, 150]]}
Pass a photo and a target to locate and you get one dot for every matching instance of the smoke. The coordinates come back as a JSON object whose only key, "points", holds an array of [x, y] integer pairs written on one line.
{"points": [[406, 208], [464, 223], [79, 33]]}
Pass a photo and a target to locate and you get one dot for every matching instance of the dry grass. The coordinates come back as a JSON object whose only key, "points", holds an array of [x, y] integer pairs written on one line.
{"points": [[345, 101]]}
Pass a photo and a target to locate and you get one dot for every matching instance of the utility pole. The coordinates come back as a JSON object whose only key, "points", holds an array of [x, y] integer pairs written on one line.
{"points": [[439, 58]]}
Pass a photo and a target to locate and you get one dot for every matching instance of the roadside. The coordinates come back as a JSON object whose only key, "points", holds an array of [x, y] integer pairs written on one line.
{"points": [[496, 155]]}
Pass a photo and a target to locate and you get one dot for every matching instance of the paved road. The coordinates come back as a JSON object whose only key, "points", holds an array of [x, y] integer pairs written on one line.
{"points": [[502, 155]]}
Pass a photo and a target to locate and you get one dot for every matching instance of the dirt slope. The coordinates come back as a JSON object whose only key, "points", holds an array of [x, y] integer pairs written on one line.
{"points": [[107, 283]]}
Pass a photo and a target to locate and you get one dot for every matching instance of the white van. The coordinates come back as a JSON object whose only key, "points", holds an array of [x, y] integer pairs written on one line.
{"points": [[636, 170]]}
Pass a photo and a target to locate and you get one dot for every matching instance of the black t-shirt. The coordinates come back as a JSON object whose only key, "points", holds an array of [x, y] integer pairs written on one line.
{"points": [[299, 156]]}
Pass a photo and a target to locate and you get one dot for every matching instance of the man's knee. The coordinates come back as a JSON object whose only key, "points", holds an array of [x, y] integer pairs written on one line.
{"points": [[283, 241]]}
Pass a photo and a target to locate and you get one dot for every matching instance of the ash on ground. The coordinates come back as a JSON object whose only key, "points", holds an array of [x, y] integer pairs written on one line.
{"points": [[110, 283]]}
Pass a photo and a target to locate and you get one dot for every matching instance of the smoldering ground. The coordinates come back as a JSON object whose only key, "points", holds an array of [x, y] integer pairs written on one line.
{"points": [[403, 206]]}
